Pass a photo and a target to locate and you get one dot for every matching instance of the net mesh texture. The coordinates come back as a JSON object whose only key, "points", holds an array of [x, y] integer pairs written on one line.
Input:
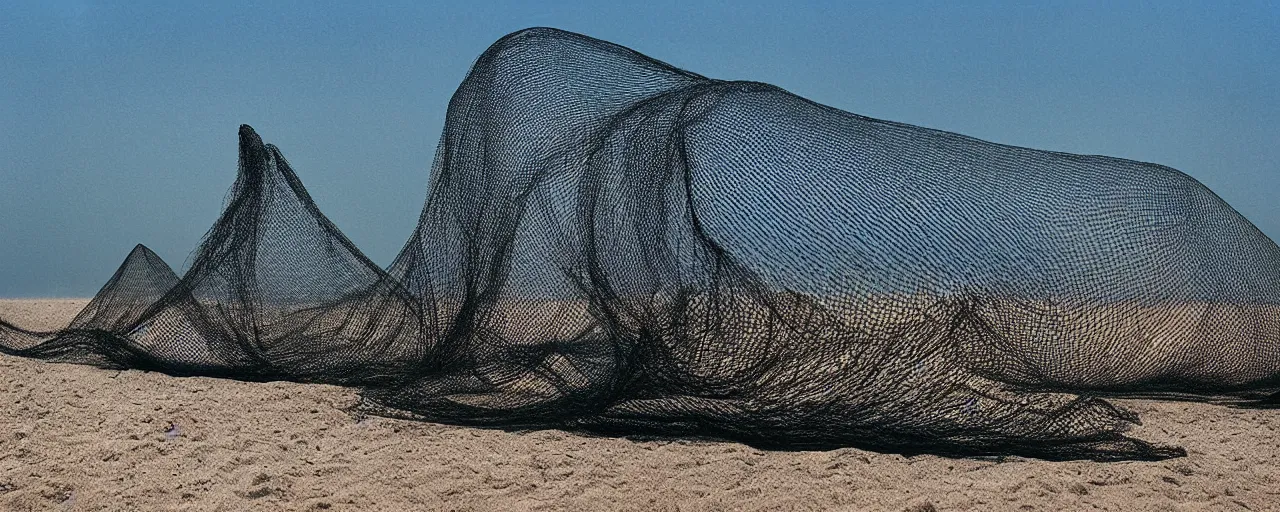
{"points": [[615, 245]]}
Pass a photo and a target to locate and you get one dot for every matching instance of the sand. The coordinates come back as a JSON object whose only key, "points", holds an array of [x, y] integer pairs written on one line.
{"points": [[79, 438]]}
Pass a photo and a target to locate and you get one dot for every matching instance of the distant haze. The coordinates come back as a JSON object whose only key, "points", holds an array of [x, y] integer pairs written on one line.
{"points": [[118, 123]]}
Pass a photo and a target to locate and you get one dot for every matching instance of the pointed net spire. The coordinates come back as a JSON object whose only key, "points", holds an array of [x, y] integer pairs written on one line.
{"points": [[140, 282]]}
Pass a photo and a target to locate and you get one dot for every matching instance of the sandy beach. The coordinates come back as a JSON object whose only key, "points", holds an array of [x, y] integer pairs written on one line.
{"points": [[79, 438]]}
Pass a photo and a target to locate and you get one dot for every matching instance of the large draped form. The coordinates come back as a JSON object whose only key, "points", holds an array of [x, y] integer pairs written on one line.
{"points": [[613, 244]]}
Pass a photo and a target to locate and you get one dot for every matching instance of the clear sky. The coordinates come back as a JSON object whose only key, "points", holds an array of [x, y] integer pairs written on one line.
{"points": [[118, 119]]}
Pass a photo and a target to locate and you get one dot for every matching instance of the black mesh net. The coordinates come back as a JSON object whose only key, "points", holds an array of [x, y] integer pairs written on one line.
{"points": [[613, 244]]}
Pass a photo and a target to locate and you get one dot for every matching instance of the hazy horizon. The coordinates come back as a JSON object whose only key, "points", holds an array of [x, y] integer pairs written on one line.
{"points": [[122, 120]]}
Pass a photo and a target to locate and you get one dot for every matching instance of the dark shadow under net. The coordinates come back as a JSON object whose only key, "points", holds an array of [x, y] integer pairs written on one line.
{"points": [[616, 245]]}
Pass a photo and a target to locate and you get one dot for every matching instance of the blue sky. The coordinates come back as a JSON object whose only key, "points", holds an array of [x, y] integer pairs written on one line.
{"points": [[118, 120]]}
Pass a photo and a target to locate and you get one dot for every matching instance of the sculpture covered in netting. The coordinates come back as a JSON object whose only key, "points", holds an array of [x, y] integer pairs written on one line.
{"points": [[613, 244]]}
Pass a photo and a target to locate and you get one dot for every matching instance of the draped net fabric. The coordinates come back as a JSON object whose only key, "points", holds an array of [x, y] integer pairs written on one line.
{"points": [[616, 245]]}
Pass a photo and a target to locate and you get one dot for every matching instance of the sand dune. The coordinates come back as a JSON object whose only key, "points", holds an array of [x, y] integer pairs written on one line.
{"points": [[79, 438]]}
